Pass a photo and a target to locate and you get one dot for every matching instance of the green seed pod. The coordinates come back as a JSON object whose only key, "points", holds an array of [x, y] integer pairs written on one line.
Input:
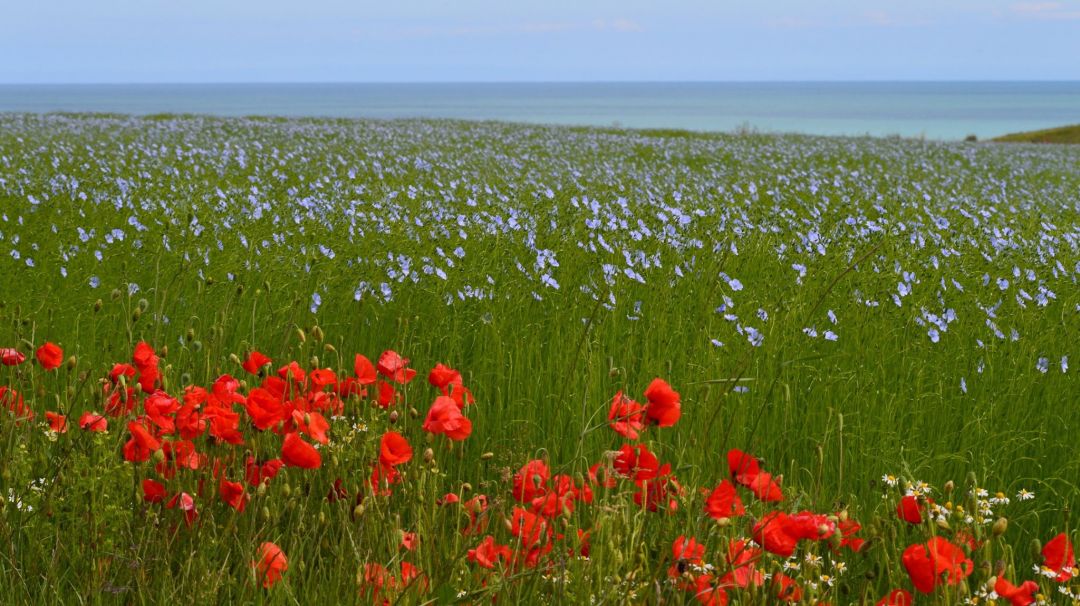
{"points": [[143, 305], [317, 334], [185, 379], [1036, 550], [209, 281], [135, 315], [301, 335], [286, 490], [196, 345], [189, 336], [71, 363]]}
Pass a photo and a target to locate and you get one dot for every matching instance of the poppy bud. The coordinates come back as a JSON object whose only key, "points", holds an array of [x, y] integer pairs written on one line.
{"points": [[159, 456], [71, 391], [972, 481], [301, 335], [239, 289], [143, 304], [209, 281], [466, 487], [394, 416], [943, 524], [185, 379], [722, 522], [329, 348], [317, 334], [286, 490], [1000, 526], [190, 335], [266, 513], [949, 487], [358, 510], [260, 490], [266, 286], [834, 541], [487, 456], [842, 516], [1036, 550], [234, 358], [429, 456], [135, 315], [196, 345], [314, 361], [307, 419], [116, 294], [322, 518], [97, 305], [414, 413]]}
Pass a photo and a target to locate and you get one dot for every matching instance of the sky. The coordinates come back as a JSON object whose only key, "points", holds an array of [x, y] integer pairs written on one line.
{"points": [[122, 41]]}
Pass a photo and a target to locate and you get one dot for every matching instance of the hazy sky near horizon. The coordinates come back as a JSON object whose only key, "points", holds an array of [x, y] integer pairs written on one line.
{"points": [[62, 41]]}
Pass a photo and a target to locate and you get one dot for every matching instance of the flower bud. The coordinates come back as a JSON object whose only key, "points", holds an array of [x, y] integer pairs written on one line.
{"points": [[97, 305], [71, 363], [301, 335], [317, 333], [949, 487], [429, 455], [159, 456], [1000, 526], [394, 416], [487, 456]]}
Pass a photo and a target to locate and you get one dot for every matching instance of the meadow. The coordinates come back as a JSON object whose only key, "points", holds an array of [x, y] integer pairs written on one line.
{"points": [[866, 349]]}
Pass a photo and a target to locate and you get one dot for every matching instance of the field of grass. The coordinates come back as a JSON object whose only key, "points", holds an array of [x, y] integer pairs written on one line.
{"points": [[1062, 134], [869, 318]]}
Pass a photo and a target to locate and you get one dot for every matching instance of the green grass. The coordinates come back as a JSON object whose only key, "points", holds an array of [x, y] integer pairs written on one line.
{"points": [[1062, 134], [222, 222]]}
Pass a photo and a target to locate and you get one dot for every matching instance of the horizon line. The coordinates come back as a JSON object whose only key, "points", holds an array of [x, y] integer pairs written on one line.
{"points": [[400, 82]]}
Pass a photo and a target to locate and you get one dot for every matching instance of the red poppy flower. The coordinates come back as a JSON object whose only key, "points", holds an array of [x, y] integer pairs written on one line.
{"points": [[1058, 557], [91, 421], [529, 527], [10, 356], [409, 541], [637, 463], [153, 491], [185, 503], [773, 533], [787, 590], [848, 528], [13, 402], [531, 481], [626, 417], [57, 421], [685, 551], [927, 562], [264, 408], [663, 406], [160, 408], [910, 510], [442, 376], [388, 396], [709, 593], [394, 449], [488, 553], [146, 361], [50, 356], [724, 502], [142, 443], [445, 417], [394, 367], [295, 452], [1017, 596], [313, 424], [233, 494], [742, 558], [897, 597], [742, 464], [255, 362], [322, 377], [271, 564], [256, 473], [364, 369]]}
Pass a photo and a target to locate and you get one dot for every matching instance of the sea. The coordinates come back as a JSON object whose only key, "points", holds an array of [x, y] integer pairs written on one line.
{"points": [[931, 110]]}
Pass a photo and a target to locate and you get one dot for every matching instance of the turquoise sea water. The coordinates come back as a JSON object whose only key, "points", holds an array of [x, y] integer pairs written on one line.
{"points": [[936, 110]]}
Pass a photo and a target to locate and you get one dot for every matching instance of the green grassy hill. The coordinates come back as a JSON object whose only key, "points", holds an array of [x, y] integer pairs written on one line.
{"points": [[1062, 134]]}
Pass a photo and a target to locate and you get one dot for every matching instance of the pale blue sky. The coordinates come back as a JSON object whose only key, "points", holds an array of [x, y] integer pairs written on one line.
{"points": [[508, 40]]}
